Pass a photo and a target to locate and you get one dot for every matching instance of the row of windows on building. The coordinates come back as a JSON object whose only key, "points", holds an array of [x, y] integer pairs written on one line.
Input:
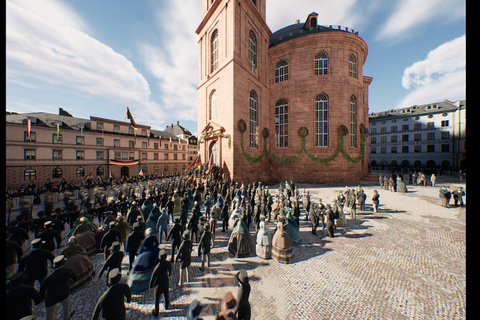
{"points": [[406, 137], [320, 67], [281, 69], [57, 173], [416, 149], [281, 120], [31, 154], [80, 140], [416, 126]]}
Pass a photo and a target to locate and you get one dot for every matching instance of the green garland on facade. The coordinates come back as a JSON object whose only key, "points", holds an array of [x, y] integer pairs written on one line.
{"points": [[303, 133]]}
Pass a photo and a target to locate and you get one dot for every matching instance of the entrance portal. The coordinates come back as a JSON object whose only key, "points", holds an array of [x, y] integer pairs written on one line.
{"points": [[124, 172]]}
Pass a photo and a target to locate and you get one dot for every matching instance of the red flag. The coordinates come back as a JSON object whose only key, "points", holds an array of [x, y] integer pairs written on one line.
{"points": [[29, 126], [58, 129], [195, 163], [130, 117], [210, 164]]}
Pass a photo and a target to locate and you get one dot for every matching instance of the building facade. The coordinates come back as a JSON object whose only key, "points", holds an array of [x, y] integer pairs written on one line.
{"points": [[289, 105], [64, 147], [423, 136]]}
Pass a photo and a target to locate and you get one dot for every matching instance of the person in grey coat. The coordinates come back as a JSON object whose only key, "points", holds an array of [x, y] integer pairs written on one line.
{"points": [[330, 220], [162, 225]]}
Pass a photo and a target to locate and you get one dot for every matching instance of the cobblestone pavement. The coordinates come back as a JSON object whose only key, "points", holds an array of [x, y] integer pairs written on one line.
{"points": [[406, 262]]}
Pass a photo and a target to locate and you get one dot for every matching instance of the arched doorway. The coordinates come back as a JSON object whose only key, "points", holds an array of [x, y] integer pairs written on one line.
{"points": [[124, 172]]}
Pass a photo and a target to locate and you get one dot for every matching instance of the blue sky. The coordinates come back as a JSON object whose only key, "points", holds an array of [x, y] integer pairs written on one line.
{"points": [[98, 57]]}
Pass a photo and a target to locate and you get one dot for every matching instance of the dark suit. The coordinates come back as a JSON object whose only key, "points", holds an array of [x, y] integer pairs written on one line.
{"points": [[160, 281]]}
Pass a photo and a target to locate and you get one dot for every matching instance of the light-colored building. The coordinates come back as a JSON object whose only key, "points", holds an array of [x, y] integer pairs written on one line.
{"points": [[271, 106], [425, 136], [80, 146]]}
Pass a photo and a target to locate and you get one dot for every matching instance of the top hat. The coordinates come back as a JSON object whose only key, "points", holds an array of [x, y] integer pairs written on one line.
{"points": [[194, 309], [115, 246], [59, 261], [37, 243], [114, 277], [228, 302], [242, 275]]}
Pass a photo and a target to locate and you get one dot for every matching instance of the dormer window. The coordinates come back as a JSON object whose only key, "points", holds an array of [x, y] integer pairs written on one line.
{"points": [[311, 22]]}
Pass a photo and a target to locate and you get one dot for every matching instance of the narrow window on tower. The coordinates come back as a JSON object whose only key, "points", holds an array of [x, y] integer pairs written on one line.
{"points": [[252, 51], [352, 67], [353, 122], [321, 121], [321, 63], [281, 71], [281, 124], [214, 50], [213, 104], [253, 119]]}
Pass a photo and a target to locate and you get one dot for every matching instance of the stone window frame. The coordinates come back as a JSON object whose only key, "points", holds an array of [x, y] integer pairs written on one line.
{"points": [[321, 63], [352, 66], [213, 104], [214, 47], [281, 123], [353, 122], [253, 119], [321, 120], [281, 71], [252, 51]]}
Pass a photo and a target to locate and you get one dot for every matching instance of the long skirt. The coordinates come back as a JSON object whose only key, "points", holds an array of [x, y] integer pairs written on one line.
{"points": [[139, 280], [282, 247], [83, 267], [264, 251], [239, 244]]}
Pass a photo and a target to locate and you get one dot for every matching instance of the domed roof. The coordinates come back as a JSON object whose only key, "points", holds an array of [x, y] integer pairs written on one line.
{"points": [[302, 29]]}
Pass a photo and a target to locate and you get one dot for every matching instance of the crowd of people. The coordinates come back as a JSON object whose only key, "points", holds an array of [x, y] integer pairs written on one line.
{"points": [[157, 222]]}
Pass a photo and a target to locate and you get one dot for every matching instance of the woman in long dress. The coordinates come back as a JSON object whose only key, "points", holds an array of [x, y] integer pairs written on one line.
{"points": [[264, 240], [282, 247], [240, 243]]}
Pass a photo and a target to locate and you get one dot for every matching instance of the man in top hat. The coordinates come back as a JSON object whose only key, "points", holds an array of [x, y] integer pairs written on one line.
{"points": [[114, 260], [50, 236], [176, 236], [242, 309], [19, 298], [193, 310], [112, 303], [185, 255], [134, 241], [193, 226], [56, 288], [34, 263], [160, 281], [227, 307], [162, 225], [110, 237], [330, 220], [204, 246]]}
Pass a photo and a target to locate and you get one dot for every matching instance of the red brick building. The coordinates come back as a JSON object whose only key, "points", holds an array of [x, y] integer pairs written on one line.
{"points": [[289, 105]]}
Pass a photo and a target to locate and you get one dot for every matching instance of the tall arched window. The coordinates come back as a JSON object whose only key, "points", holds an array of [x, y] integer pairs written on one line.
{"points": [[213, 104], [253, 119], [57, 173], [321, 63], [352, 67], [353, 122], [214, 50], [281, 71], [281, 124], [321, 121], [252, 51]]}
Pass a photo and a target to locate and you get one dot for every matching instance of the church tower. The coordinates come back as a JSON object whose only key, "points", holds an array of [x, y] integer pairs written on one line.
{"points": [[233, 84]]}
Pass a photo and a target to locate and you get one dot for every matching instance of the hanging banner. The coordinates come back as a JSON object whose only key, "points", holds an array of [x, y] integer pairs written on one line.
{"points": [[123, 163]]}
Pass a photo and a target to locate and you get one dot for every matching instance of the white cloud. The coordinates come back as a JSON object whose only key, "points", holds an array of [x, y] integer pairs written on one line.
{"points": [[174, 62], [47, 43], [442, 75], [412, 13]]}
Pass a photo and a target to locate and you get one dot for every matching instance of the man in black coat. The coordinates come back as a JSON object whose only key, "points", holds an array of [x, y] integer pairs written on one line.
{"points": [[160, 281], [330, 220], [112, 303], [313, 218], [19, 298], [34, 264], [13, 253], [50, 236], [110, 237], [193, 226], [225, 217], [176, 236], [204, 246], [242, 309], [114, 260], [185, 256], [56, 288], [134, 241]]}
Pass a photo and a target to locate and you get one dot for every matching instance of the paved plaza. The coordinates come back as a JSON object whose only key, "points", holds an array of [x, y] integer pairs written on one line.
{"points": [[406, 262]]}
